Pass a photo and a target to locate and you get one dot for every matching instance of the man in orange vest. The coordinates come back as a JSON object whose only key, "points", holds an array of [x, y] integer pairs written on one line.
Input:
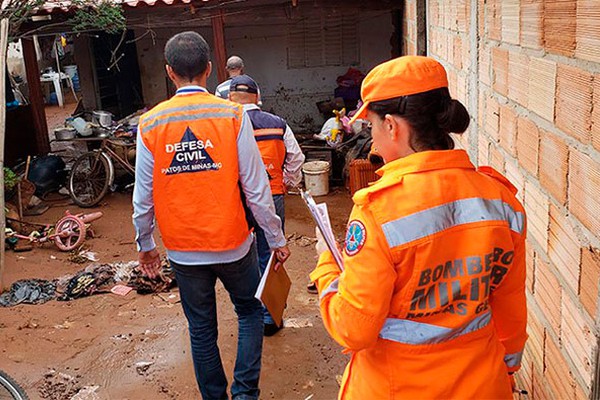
{"points": [[195, 155], [431, 303], [282, 159]]}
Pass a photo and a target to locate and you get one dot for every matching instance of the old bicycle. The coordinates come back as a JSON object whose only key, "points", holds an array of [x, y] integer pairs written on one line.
{"points": [[93, 173]]}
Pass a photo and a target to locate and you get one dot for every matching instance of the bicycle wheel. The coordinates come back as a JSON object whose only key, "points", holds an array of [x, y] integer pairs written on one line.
{"points": [[89, 179], [9, 389], [70, 233]]}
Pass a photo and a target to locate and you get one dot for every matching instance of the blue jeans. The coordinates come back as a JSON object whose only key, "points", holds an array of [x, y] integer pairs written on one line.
{"points": [[197, 290], [264, 251]]}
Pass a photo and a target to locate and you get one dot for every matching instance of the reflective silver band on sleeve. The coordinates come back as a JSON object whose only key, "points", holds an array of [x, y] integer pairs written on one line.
{"points": [[332, 288], [513, 360], [412, 332], [446, 216]]}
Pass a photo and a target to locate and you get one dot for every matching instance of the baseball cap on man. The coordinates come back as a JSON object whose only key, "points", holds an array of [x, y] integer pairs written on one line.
{"points": [[399, 77], [243, 83]]}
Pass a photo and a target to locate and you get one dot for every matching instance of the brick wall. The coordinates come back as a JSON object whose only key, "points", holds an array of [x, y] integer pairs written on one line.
{"points": [[409, 27], [529, 73]]}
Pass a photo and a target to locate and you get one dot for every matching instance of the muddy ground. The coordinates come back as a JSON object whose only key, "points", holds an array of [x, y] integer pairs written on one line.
{"points": [[136, 347]]}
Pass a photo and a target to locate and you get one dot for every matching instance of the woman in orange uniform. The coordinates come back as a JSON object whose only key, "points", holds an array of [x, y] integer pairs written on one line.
{"points": [[431, 303]]}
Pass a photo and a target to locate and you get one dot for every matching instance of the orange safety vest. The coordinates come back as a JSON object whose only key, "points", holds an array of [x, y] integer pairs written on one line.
{"points": [[268, 132], [197, 201], [432, 299]]}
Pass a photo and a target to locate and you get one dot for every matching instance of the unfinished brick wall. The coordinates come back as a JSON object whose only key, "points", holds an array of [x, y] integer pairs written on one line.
{"points": [[529, 73], [409, 27]]}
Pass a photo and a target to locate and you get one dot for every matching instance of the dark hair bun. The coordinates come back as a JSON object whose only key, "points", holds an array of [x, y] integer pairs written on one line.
{"points": [[454, 117]]}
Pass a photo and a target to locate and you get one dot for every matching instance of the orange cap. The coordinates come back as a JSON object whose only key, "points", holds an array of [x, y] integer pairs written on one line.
{"points": [[401, 76]]}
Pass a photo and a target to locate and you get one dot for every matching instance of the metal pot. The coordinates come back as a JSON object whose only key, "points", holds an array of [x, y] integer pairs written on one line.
{"points": [[104, 118], [65, 133]]}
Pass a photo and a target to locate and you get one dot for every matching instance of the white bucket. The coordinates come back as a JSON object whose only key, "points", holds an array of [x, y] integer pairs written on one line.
{"points": [[316, 177]]}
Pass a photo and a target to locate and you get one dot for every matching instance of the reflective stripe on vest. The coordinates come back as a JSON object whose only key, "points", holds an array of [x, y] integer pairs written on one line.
{"points": [[197, 200], [513, 360], [269, 130], [437, 219], [268, 134], [412, 332], [193, 107], [332, 288], [190, 118]]}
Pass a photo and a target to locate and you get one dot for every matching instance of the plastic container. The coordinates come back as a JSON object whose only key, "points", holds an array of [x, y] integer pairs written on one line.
{"points": [[71, 70], [316, 177], [82, 126], [53, 99]]}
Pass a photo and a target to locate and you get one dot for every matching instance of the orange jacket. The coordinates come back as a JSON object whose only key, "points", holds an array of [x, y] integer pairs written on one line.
{"points": [[193, 139], [268, 132], [432, 300]]}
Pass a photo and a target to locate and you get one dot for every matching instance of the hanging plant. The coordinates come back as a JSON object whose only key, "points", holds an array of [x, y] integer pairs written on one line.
{"points": [[105, 15]]}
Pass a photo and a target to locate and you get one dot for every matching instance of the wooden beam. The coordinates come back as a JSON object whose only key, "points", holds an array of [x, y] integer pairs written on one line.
{"points": [[3, 55], [84, 59], [219, 45], [36, 97]]}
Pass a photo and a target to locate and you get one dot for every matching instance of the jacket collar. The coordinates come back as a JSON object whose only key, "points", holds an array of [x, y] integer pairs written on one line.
{"points": [[251, 106], [426, 161], [190, 89]]}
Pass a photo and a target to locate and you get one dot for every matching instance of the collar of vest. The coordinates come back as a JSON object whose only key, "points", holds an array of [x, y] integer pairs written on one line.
{"points": [[191, 89], [427, 161], [393, 172], [249, 107]]}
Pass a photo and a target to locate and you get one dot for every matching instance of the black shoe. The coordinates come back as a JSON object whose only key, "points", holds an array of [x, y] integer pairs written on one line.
{"points": [[271, 329]]}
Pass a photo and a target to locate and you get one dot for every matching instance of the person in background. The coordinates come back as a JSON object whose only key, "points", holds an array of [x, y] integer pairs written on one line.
{"points": [[282, 159], [431, 303], [196, 153], [234, 67]]}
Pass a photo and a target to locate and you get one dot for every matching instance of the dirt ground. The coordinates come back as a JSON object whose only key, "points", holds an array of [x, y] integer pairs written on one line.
{"points": [[109, 341]]}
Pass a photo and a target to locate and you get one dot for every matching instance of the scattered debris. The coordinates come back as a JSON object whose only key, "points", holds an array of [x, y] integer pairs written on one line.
{"points": [[59, 386], [172, 298], [121, 290], [300, 240], [65, 325], [297, 323], [29, 325], [308, 385], [142, 367], [83, 255], [28, 291], [87, 393], [121, 336]]}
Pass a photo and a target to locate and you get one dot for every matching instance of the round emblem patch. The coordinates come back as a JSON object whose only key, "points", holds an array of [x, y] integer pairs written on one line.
{"points": [[355, 237]]}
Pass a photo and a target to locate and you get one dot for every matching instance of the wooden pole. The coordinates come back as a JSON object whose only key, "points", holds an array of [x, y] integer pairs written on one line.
{"points": [[36, 98], [3, 50], [219, 38]]}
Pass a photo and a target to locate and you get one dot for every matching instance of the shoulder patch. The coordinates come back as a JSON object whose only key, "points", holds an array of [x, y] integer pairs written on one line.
{"points": [[356, 236]]}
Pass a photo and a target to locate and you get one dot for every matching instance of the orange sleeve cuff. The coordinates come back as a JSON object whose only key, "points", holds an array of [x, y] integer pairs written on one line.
{"points": [[326, 268]]}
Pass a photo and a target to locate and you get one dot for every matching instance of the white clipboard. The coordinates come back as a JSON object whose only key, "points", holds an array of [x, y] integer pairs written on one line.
{"points": [[321, 218]]}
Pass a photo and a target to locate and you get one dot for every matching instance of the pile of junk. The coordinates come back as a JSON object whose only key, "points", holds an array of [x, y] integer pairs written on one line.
{"points": [[34, 185], [97, 124], [351, 143]]}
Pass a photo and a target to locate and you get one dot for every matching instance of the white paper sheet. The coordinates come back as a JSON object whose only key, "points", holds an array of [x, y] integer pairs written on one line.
{"points": [[321, 217]]}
